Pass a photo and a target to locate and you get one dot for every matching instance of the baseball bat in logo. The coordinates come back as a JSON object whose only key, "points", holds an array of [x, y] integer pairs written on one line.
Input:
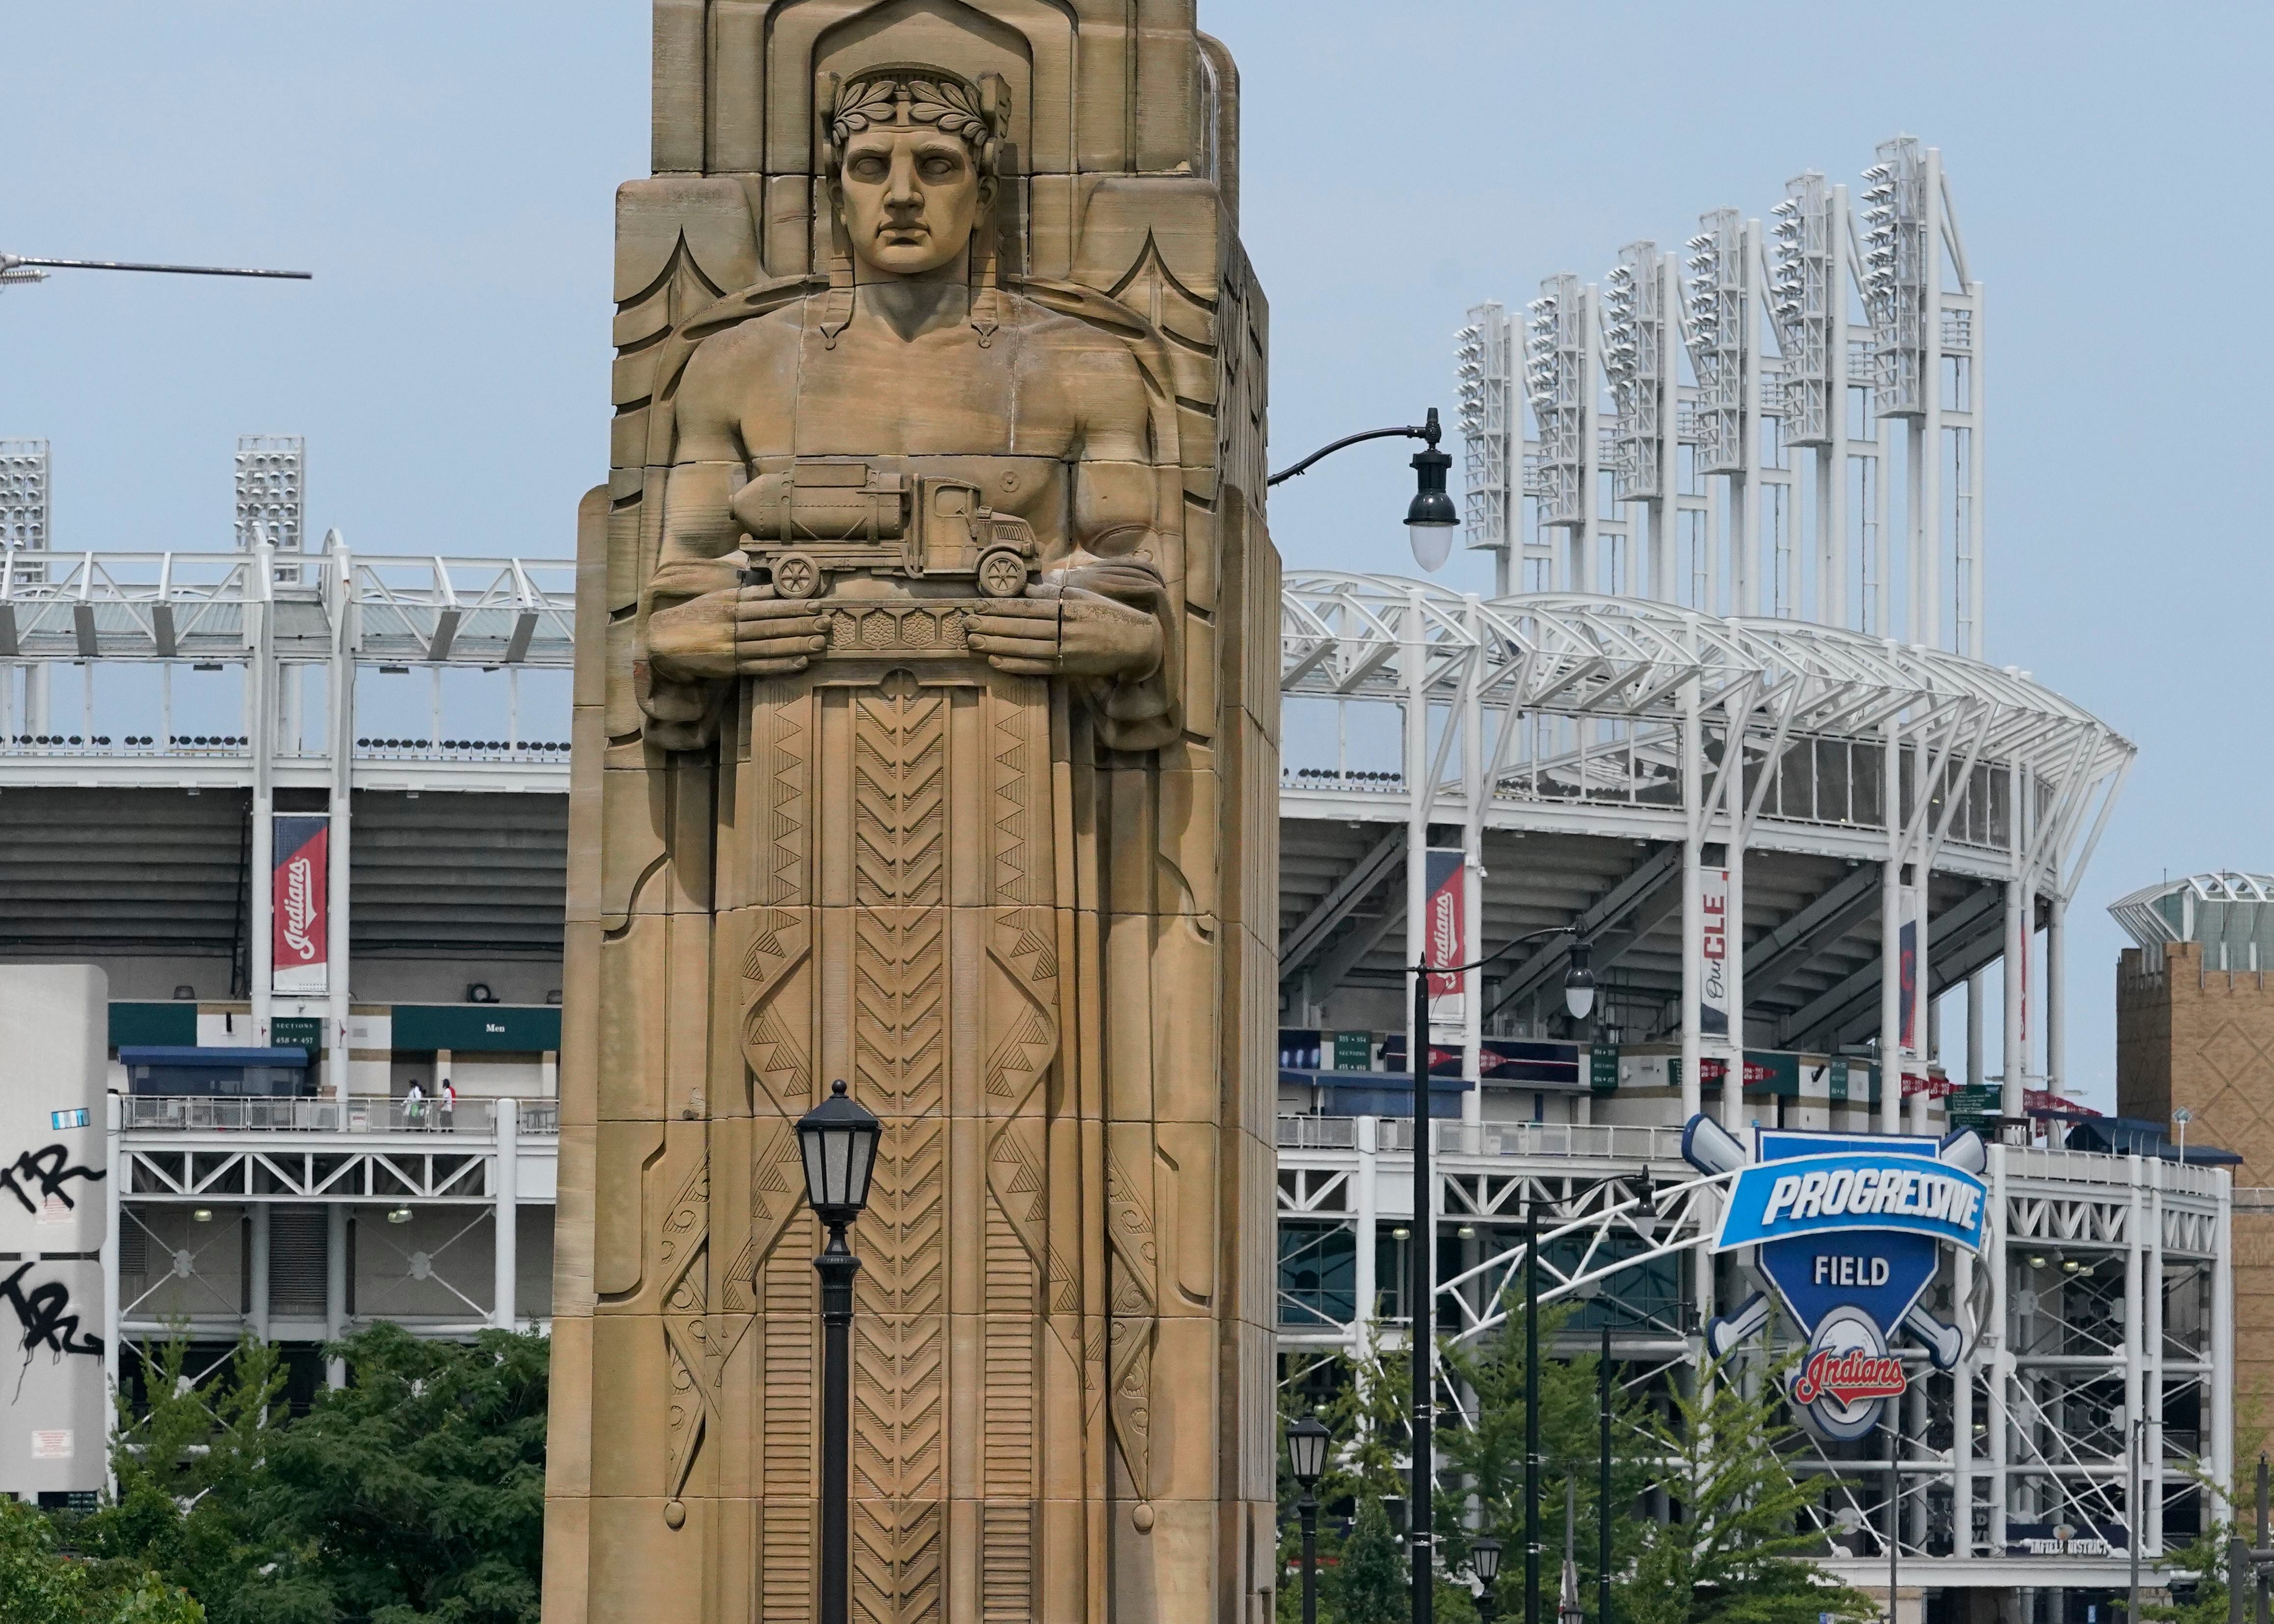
{"points": [[300, 904]]}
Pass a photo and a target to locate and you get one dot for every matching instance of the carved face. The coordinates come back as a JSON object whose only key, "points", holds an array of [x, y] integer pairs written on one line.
{"points": [[911, 194]]}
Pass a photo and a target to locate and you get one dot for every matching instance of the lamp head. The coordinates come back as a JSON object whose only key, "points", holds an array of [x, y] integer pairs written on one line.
{"points": [[1579, 982], [839, 1140], [1306, 1451], [1431, 518], [1484, 1558]]}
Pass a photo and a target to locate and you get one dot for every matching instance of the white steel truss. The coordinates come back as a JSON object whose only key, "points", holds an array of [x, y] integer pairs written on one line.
{"points": [[2094, 1322]]}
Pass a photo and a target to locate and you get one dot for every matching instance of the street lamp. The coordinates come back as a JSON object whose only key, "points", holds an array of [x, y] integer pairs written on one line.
{"points": [[1430, 517], [1484, 1561], [838, 1139], [2183, 1117], [1307, 1459], [1579, 998]]}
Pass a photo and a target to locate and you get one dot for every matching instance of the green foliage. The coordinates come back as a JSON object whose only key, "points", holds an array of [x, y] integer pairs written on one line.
{"points": [[1741, 1548], [416, 1491], [42, 1585], [1487, 1458], [1371, 1584], [2204, 1557]]}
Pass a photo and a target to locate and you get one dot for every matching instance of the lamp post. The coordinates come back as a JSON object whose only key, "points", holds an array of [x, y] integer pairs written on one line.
{"points": [[1430, 517], [1531, 1413], [2183, 1117], [1306, 1460], [1579, 998], [838, 1139], [1603, 1489], [1484, 1561]]}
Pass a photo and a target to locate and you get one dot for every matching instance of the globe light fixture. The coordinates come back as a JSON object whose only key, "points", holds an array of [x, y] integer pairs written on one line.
{"points": [[1431, 518], [1579, 982]]}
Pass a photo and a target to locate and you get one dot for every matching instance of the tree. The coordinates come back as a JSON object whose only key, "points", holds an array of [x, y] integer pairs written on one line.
{"points": [[1371, 1584], [1741, 1549], [416, 1491], [1482, 1477], [40, 1583], [2205, 1557]]}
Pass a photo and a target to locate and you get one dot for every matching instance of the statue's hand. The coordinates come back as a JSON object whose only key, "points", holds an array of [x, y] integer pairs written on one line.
{"points": [[774, 636], [742, 631], [1060, 630]]}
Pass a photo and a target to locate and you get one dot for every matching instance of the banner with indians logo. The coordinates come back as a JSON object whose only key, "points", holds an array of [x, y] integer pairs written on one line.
{"points": [[300, 906]]}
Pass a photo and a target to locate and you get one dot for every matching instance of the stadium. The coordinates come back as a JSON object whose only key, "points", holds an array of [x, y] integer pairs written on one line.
{"points": [[1725, 724]]}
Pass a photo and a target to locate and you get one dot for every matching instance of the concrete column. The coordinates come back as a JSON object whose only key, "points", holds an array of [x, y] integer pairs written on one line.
{"points": [[2056, 992], [2000, 1356], [1693, 962], [1962, 1418], [2136, 1345], [1974, 1070], [1366, 1288], [1891, 940], [507, 1212], [260, 730], [1415, 738], [2222, 1349], [335, 1287], [114, 1110], [2015, 967], [256, 1214], [1478, 785], [1733, 1075], [2160, 1178], [340, 579]]}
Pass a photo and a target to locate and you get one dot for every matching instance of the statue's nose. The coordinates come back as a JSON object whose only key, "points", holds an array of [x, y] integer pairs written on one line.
{"points": [[902, 184]]}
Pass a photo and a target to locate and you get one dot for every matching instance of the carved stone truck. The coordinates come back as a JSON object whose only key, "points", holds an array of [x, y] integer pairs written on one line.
{"points": [[822, 518]]}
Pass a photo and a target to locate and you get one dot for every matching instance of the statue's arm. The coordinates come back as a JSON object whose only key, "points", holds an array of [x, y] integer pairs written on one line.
{"points": [[702, 626]]}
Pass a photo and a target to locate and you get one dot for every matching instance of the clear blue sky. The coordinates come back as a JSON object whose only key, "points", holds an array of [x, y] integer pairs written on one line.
{"points": [[446, 170]]}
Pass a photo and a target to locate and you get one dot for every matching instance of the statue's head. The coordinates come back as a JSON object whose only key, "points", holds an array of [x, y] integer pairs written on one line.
{"points": [[912, 155]]}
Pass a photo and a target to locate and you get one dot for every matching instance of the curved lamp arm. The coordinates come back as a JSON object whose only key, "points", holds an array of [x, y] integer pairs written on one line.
{"points": [[1429, 431]]}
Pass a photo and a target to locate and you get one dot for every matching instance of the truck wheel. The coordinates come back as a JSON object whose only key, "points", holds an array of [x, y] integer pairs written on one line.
{"points": [[796, 575], [1003, 573]]}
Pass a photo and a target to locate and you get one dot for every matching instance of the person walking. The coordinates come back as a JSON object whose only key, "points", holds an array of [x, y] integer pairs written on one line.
{"points": [[414, 1105]]}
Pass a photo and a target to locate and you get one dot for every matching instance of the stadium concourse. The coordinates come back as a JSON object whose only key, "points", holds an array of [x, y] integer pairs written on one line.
{"points": [[1726, 726]]}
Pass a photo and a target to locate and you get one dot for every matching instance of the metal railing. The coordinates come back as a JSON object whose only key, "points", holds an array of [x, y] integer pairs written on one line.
{"points": [[357, 1114], [1604, 1141]]}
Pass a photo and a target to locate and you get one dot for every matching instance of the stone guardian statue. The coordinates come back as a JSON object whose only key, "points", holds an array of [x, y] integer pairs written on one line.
{"points": [[926, 723]]}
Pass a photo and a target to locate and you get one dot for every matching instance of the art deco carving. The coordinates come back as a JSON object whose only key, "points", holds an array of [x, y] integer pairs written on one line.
{"points": [[926, 741]]}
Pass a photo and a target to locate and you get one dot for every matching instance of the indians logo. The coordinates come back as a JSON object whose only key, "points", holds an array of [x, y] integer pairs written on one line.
{"points": [[1849, 1376], [296, 904], [1848, 1230]]}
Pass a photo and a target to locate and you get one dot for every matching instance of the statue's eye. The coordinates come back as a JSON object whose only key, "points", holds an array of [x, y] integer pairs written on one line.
{"points": [[939, 169], [868, 167]]}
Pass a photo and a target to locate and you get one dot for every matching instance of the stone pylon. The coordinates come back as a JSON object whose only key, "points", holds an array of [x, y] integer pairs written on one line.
{"points": [[926, 739]]}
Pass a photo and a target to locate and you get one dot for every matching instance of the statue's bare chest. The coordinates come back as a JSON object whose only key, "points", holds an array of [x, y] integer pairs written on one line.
{"points": [[875, 393]]}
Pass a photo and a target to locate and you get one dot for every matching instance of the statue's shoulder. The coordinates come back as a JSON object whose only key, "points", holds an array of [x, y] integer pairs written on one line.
{"points": [[1067, 316]]}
